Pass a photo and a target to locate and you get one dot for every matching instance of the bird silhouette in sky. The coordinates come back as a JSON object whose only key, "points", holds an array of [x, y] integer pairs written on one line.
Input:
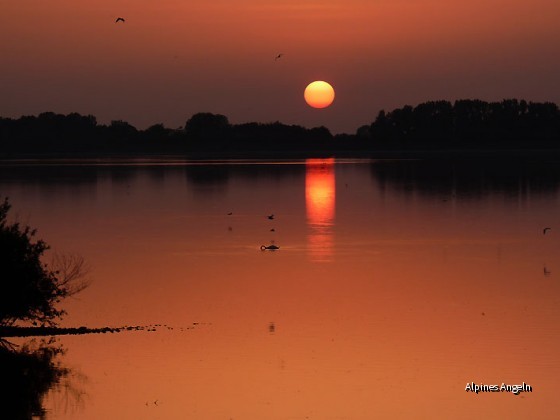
{"points": [[279, 56], [546, 229], [119, 19], [271, 216]]}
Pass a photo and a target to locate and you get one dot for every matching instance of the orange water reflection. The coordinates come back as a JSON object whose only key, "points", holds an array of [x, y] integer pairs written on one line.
{"points": [[423, 293], [320, 193]]}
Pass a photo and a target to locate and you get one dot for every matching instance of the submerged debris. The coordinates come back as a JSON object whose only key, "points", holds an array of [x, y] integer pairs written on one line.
{"points": [[45, 331], [15, 331], [269, 247]]}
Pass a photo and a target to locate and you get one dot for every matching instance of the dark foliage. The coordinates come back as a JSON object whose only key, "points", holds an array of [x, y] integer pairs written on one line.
{"points": [[465, 124], [29, 289], [280, 137], [468, 124], [205, 125]]}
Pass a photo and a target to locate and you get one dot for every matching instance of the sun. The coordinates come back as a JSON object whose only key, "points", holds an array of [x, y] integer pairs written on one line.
{"points": [[319, 94]]}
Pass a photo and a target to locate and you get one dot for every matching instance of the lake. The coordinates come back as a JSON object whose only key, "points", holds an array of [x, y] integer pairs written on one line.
{"points": [[397, 284]]}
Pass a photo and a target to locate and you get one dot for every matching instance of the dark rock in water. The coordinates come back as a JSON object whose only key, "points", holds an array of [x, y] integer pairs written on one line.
{"points": [[49, 331]]}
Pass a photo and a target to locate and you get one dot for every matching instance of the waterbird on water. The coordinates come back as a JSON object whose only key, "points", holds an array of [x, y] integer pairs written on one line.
{"points": [[545, 230], [119, 19], [269, 247]]}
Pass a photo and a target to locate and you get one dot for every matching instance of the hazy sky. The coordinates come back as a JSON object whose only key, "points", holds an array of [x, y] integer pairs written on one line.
{"points": [[173, 58]]}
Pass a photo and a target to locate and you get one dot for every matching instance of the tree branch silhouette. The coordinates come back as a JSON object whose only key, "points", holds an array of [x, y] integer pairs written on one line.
{"points": [[29, 288]]}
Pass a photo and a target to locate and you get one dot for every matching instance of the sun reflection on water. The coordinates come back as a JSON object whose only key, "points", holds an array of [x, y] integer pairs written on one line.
{"points": [[320, 207]]}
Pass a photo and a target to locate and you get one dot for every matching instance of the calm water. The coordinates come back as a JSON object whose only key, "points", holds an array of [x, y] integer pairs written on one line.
{"points": [[396, 284]]}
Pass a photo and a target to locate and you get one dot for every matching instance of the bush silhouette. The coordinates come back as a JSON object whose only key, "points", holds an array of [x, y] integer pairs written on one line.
{"points": [[29, 289]]}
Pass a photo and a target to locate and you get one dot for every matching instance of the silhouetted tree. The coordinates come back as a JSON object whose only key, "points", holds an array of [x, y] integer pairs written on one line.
{"points": [[433, 121], [29, 289], [364, 132], [206, 125], [465, 124], [469, 124], [156, 132], [380, 129], [207, 132]]}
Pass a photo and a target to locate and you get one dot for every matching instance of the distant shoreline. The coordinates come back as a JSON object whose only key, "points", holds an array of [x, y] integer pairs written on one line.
{"points": [[463, 128]]}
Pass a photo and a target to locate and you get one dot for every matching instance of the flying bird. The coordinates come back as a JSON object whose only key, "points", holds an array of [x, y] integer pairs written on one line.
{"points": [[271, 217], [119, 19], [279, 56], [545, 230]]}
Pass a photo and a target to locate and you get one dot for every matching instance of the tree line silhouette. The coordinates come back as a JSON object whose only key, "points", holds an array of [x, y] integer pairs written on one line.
{"points": [[464, 124], [468, 124]]}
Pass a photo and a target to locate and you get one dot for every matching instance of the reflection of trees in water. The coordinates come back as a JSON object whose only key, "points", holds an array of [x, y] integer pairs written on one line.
{"points": [[29, 372], [77, 176], [220, 174], [72, 181], [469, 176], [207, 174]]}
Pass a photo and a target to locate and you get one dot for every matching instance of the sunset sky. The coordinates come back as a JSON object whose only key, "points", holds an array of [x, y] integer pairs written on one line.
{"points": [[173, 58]]}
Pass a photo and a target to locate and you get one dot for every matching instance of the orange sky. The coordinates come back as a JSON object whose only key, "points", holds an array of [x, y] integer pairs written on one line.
{"points": [[173, 58]]}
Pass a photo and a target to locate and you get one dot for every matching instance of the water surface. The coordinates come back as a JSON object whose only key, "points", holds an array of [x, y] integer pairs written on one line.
{"points": [[396, 284]]}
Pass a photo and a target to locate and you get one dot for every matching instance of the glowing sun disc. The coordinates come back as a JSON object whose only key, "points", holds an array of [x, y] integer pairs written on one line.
{"points": [[319, 94]]}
